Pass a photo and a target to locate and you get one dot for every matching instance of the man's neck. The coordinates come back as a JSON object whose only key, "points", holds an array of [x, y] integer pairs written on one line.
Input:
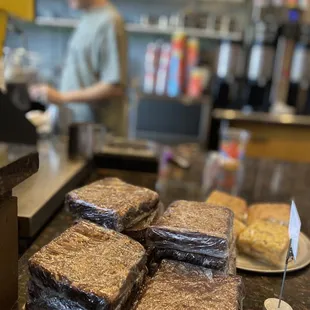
{"points": [[98, 4]]}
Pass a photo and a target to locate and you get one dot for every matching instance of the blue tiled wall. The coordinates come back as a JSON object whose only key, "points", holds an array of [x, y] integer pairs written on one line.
{"points": [[51, 44]]}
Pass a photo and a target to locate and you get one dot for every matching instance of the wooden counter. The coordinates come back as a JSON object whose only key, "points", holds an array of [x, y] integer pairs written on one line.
{"points": [[284, 137], [17, 163]]}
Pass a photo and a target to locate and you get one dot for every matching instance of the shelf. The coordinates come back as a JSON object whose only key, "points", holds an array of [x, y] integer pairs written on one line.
{"points": [[207, 1], [56, 22], [180, 99], [262, 117], [146, 29], [194, 32]]}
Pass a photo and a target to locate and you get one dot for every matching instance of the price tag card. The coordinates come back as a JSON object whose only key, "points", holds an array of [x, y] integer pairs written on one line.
{"points": [[294, 229]]}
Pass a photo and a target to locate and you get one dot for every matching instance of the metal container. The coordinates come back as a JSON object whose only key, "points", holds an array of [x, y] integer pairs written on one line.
{"points": [[85, 139]]}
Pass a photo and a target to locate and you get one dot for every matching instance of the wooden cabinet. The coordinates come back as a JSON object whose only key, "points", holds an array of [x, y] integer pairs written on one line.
{"points": [[277, 141]]}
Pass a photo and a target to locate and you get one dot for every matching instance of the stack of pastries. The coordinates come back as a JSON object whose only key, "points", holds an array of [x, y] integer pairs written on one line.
{"points": [[97, 264], [260, 230], [196, 233]]}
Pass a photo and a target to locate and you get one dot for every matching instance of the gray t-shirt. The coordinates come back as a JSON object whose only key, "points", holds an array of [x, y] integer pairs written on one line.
{"points": [[98, 52]]}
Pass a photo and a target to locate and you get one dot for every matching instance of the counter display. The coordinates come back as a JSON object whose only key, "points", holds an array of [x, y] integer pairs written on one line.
{"points": [[262, 180]]}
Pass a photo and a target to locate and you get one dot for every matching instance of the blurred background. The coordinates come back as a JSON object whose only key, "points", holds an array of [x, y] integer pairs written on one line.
{"points": [[194, 64]]}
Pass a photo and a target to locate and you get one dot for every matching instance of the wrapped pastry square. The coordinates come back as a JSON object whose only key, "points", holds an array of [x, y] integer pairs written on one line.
{"points": [[232, 265], [112, 203], [178, 286], [218, 265], [265, 241], [87, 267], [274, 212], [49, 300], [236, 204], [138, 231], [193, 227], [210, 262]]}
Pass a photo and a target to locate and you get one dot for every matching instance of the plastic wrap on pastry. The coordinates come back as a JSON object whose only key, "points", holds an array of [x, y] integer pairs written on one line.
{"points": [[236, 204], [131, 298], [112, 203], [218, 265], [193, 227], [177, 286], [88, 267], [47, 299], [232, 264], [265, 241], [138, 231], [273, 212]]}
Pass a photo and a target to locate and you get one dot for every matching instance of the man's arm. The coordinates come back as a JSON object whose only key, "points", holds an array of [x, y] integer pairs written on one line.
{"points": [[94, 93]]}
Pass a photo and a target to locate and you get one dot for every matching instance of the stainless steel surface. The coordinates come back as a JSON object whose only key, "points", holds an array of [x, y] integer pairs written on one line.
{"points": [[43, 193], [261, 117]]}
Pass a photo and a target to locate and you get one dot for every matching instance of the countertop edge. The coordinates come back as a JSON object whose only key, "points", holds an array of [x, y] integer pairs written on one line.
{"points": [[18, 171]]}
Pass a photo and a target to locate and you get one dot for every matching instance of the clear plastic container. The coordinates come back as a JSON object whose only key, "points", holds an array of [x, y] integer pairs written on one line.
{"points": [[233, 146]]}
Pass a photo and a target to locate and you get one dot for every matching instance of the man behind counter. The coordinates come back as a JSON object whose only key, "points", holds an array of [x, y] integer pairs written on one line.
{"points": [[94, 76]]}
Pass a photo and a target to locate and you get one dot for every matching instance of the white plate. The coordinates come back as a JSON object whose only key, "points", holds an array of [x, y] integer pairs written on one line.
{"points": [[248, 263]]}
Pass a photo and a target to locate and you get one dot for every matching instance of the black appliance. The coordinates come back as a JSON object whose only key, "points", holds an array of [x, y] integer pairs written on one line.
{"points": [[299, 75], [260, 67]]}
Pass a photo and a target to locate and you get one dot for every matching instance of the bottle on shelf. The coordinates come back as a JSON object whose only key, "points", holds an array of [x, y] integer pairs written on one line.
{"points": [[177, 65], [163, 70], [151, 63]]}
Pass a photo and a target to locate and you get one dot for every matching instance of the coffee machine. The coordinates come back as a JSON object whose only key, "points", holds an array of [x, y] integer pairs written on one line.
{"points": [[260, 67]]}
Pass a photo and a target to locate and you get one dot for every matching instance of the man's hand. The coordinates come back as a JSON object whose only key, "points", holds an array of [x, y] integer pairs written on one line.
{"points": [[45, 93]]}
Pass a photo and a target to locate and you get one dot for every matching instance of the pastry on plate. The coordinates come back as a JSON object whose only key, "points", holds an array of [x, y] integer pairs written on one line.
{"points": [[236, 204], [265, 241], [274, 212], [239, 227]]}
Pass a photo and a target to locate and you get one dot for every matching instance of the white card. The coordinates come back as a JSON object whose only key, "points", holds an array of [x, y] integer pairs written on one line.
{"points": [[294, 229]]}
